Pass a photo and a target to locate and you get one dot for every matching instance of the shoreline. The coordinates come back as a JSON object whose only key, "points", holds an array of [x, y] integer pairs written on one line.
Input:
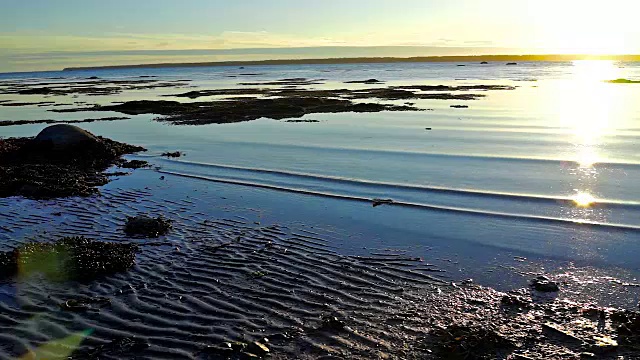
{"points": [[374, 60]]}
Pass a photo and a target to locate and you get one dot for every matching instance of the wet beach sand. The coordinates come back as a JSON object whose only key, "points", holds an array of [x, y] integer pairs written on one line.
{"points": [[258, 269]]}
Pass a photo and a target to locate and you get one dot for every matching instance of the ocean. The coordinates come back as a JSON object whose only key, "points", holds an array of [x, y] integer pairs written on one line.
{"points": [[539, 179]]}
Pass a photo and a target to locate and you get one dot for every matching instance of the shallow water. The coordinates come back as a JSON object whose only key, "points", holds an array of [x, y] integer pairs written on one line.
{"points": [[548, 171]]}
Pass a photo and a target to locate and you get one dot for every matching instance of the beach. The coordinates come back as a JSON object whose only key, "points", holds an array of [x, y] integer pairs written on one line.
{"points": [[395, 210]]}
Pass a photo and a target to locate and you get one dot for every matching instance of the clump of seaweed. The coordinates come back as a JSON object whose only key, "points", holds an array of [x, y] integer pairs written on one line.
{"points": [[69, 258], [144, 226]]}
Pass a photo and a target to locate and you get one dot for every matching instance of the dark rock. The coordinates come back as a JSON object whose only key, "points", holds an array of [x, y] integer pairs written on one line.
{"points": [[72, 258], [512, 63], [64, 135], [378, 202], [460, 106], [41, 170], [484, 63], [147, 227], [544, 284], [175, 154]]}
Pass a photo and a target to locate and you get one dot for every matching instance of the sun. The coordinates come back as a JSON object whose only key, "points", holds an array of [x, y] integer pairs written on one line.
{"points": [[583, 199]]}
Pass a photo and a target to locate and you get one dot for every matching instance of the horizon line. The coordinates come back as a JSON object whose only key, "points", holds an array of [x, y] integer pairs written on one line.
{"points": [[380, 60]]}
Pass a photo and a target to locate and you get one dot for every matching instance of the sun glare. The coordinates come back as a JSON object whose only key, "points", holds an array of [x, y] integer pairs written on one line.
{"points": [[583, 199], [588, 107]]}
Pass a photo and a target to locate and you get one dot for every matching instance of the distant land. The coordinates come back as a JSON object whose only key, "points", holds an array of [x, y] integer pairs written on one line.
{"points": [[376, 60]]}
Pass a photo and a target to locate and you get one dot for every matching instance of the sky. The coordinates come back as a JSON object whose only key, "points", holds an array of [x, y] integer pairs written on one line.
{"points": [[51, 34]]}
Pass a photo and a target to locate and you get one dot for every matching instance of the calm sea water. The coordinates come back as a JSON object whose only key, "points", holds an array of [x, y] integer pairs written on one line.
{"points": [[519, 172]]}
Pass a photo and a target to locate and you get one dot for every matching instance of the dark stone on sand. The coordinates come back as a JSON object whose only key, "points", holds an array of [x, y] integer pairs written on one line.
{"points": [[512, 63], [59, 164], [71, 258], [144, 226], [93, 78], [460, 106], [64, 135], [544, 284], [484, 63]]}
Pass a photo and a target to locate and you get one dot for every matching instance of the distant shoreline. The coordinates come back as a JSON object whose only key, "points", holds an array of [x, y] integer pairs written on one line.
{"points": [[374, 60]]}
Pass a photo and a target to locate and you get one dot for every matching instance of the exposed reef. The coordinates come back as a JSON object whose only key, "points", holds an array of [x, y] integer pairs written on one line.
{"points": [[58, 163]]}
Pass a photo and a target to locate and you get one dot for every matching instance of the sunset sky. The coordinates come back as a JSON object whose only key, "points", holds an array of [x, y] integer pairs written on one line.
{"points": [[45, 34]]}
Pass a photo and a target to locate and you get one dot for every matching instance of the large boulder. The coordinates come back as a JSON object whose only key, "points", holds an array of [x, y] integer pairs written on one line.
{"points": [[64, 135]]}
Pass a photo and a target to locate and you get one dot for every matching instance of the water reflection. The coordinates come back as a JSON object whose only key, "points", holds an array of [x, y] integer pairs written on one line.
{"points": [[584, 199], [589, 107]]}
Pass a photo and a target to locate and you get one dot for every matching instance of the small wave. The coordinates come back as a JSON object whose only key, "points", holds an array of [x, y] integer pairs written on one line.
{"points": [[425, 206], [425, 188]]}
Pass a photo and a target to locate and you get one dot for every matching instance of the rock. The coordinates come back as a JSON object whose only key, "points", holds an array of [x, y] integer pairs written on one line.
{"points": [[175, 154], [512, 63], [544, 284], [65, 135], [460, 106], [484, 63], [378, 202]]}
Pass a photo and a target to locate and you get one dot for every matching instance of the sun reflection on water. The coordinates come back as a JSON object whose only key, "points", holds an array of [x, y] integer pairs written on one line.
{"points": [[589, 109], [584, 199]]}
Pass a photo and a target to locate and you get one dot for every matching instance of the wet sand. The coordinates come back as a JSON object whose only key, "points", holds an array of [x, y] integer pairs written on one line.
{"points": [[225, 274]]}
